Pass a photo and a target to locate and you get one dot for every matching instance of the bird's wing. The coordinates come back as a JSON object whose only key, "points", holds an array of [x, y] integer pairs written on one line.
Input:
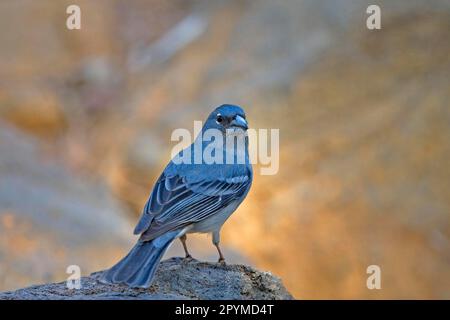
{"points": [[175, 202]]}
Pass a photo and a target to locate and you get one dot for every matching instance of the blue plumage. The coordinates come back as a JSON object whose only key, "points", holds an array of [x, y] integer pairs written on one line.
{"points": [[187, 198]]}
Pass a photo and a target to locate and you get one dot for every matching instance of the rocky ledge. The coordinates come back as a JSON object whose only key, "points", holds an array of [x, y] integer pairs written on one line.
{"points": [[176, 278]]}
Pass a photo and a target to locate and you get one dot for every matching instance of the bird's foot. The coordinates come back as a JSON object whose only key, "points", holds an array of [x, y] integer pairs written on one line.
{"points": [[222, 261], [188, 257]]}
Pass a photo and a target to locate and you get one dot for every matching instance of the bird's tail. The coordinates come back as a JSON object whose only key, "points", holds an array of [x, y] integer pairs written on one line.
{"points": [[138, 267]]}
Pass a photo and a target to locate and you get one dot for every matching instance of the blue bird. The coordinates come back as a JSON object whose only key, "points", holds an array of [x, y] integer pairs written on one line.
{"points": [[189, 198]]}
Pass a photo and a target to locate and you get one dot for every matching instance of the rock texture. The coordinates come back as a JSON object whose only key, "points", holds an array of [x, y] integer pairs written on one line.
{"points": [[176, 278]]}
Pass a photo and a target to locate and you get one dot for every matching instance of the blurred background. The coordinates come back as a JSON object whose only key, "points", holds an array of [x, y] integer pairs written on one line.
{"points": [[364, 118]]}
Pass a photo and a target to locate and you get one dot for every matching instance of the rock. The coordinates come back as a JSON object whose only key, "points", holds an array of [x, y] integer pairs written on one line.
{"points": [[176, 278]]}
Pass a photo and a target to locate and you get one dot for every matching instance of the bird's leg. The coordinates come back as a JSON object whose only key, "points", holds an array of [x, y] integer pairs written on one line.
{"points": [[183, 241], [221, 258], [216, 241]]}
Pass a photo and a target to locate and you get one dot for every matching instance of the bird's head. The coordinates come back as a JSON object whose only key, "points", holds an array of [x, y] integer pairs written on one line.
{"points": [[227, 118]]}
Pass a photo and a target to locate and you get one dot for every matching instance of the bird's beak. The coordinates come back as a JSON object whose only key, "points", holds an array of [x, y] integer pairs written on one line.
{"points": [[240, 122]]}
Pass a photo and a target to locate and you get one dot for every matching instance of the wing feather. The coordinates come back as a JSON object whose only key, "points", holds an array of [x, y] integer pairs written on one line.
{"points": [[175, 203]]}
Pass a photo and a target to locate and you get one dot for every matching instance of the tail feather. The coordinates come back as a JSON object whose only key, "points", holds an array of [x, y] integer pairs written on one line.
{"points": [[138, 267]]}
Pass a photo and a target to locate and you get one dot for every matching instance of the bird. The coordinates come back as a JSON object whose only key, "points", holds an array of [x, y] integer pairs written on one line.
{"points": [[189, 197]]}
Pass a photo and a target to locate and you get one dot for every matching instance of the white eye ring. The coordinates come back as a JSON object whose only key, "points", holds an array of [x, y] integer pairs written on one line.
{"points": [[219, 118]]}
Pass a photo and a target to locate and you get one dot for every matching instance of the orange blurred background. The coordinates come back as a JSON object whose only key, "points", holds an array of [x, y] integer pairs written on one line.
{"points": [[86, 117]]}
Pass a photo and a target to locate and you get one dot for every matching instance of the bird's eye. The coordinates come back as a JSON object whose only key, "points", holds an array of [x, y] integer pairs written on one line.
{"points": [[219, 118]]}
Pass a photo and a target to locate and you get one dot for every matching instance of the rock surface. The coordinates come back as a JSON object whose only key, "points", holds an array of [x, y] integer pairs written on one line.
{"points": [[176, 278]]}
